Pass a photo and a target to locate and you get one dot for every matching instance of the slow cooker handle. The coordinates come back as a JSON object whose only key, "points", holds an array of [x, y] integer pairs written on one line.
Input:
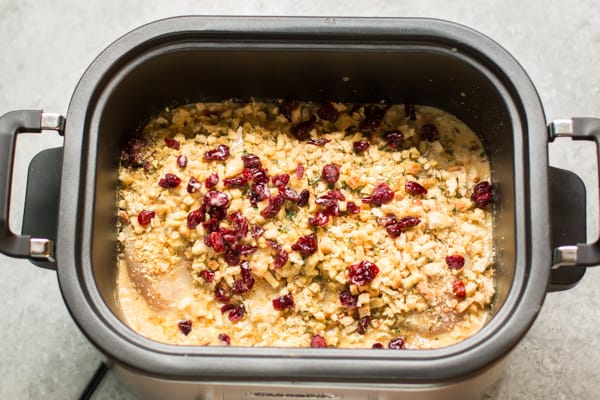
{"points": [[11, 124], [582, 254]]}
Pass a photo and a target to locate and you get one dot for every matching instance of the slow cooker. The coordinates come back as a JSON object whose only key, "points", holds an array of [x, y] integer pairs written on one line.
{"points": [[186, 59]]}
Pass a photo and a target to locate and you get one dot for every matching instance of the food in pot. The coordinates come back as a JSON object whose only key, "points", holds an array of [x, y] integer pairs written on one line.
{"points": [[304, 224]]}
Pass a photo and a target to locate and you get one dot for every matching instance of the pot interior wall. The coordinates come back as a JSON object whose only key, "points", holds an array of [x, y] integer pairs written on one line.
{"points": [[427, 75]]}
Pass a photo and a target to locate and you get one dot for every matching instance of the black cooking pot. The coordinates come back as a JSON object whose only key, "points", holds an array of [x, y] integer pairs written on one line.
{"points": [[187, 59]]}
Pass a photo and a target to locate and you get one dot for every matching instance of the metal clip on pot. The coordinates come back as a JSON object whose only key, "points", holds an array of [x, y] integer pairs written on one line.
{"points": [[11, 124], [582, 254]]}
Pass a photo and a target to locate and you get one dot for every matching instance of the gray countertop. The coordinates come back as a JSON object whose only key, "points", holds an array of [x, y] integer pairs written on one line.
{"points": [[46, 46]]}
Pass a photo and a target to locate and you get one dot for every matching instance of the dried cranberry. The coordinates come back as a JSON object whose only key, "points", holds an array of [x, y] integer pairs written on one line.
{"points": [[222, 292], [458, 288], [318, 341], [304, 197], [286, 108], [352, 208], [169, 181], [414, 188], [182, 161], [185, 327], [331, 173], [211, 181], [362, 273], [408, 222], [329, 204], [240, 224], [237, 182], [306, 245], [221, 153], [246, 282], [348, 299], [394, 139], [208, 275], [193, 185], [232, 257], [283, 302], [302, 130], [299, 171], [258, 192], [214, 198], [482, 194], [145, 217], [373, 117], [216, 242], [328, 112], [274, 206], [256, 231], [259, 175], [289, 194], [455, 261], [318, 142], [225, 338], [397, 344], [363, 324], [409, 110], [429, 133], [336, 194], [172, 143], [281, 256], [229, 236], [381, 194], [195, 218], [251, 161], [360, 146], [237, 313], [280, 180], [321, 218], [377, 345], [133, 153], [244, 249], [212, 225]]}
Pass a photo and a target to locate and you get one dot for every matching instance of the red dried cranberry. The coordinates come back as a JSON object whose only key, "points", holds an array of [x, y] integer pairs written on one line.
{"points": [[274, 206], [458, 288], [328, 112], [381, 194], [214, 198], [362, 273], [331, 173], [169, 181], [318, 142], [306, 245], [240, 224], [377, 345], [195, 218], [193, 185], [360, 146], [302, 130], [348, 299], [172, 143], [185, 327], [352, 208], [321, 218], [429, 133], [258, 192], [182, 161], [280, 180], [281, 256], [304, 197], [283, 302], [211, 181], [289, 194], [212, 225], [246, 282], [244, 249], [414, 188], [397, 344], [220, 153], [225, 338], [216, 242], [133, 153], [222, 292], [363, 324], [482, 194], [208, 275], [373, 117], [455, 261], [408, 222], [145, 217], [259, 175], [232, 257], [299, 171], [251, 161], [409, 110], [286, 108], [318, 341], [237, 313], [237, 182], [329, 202], [256, 231], [336, 194], [394, 139]]}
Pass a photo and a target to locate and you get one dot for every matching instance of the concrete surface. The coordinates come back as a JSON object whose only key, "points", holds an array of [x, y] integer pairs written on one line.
{"points": [[45, 47]]}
